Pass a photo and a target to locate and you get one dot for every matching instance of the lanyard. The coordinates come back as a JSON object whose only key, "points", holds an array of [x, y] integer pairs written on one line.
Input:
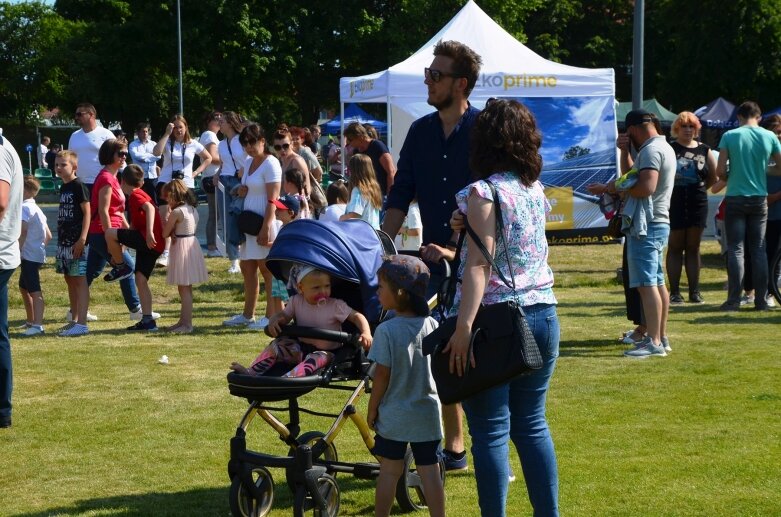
{"points": [[184, 148]]}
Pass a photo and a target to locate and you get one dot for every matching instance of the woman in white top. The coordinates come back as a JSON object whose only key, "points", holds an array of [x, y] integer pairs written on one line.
{"points": [[232, 157], [209, 141], [260, 184], [178, 150]]}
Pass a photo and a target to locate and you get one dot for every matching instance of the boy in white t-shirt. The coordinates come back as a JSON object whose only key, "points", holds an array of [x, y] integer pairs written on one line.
{"points": [[32, 243], [410, 235]]}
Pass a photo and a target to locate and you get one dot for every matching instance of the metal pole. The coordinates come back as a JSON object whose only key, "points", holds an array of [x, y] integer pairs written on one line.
{"points": [[179, 45], [637, 55]]}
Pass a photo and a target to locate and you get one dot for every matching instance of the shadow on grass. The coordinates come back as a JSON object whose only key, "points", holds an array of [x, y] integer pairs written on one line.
{"points": [[205, 501]]}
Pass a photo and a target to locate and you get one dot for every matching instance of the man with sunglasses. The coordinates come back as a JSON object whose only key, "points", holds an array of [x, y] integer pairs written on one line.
{"points": [[433, 166], [86, 142]]}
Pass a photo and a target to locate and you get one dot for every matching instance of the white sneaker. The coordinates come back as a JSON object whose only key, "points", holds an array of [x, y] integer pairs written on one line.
{"points": [[238, 321], [235, 268], [162, 260], [33, 330], [137, 314], [23, 326], [75, 330], [771, 302], [260, 324], [90, 316]]}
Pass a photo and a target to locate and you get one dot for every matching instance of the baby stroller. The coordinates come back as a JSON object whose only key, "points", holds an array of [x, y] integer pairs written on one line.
{"points": [[351, 252]]}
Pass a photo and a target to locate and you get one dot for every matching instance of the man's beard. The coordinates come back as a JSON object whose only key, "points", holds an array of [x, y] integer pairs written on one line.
{"points": [[443, 104]]}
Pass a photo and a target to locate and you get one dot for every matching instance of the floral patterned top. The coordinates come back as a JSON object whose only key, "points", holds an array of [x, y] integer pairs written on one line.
{"points": [[524, 210]]}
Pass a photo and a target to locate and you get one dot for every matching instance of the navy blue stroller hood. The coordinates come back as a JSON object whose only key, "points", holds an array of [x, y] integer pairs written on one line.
{"points": [[348, 250]]}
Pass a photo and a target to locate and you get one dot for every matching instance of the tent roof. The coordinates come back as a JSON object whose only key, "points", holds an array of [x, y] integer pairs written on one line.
{"points": [[719, 113], [509, 68], [353, 113], [664, 115]]}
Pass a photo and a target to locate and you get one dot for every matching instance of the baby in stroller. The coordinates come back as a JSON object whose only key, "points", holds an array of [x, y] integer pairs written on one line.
{"points": [[311, 307]]}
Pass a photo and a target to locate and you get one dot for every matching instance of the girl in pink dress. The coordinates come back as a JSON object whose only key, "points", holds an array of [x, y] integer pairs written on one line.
{"points": [[186, 265]]}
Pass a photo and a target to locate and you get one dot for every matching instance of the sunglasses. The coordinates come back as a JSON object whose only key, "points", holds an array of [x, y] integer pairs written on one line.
{"points": [[81, 113], [436, 75], [122, 154], [279, 147]]}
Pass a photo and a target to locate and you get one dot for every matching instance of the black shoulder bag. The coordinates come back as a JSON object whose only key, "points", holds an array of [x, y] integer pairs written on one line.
{"points": [[502, 342]]}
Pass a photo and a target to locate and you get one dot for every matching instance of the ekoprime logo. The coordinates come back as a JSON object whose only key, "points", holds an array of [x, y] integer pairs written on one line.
{"points": [[516, 81], [361, 86]]}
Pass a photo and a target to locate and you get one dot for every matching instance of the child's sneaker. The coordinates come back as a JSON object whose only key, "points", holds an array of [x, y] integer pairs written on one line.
{"points": [[238, 321], [118, 272], [235, 268], [74, 330], [149, 326], [137, 314], [33, 330], [162, 260], [454, 460]]}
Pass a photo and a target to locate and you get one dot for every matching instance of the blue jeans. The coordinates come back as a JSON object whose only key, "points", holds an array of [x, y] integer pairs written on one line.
{"points": [[230, 222], [516, 410], [98, 257], [745, 220], [6, 370]]}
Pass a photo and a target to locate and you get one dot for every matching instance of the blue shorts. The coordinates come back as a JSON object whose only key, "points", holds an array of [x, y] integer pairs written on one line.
{"points": [[425, 453], [279, 290], [645, 256], [72, 267]]}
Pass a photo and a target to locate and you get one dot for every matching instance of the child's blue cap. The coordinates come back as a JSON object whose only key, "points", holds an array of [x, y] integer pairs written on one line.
{"points": [[288, 202], [412, 275]]}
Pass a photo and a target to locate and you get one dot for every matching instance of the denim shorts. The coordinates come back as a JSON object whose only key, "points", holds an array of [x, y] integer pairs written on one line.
{"points": [[425, 453], [645, 256]]}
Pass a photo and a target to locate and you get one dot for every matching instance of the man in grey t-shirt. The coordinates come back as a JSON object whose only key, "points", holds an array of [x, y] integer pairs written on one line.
{"points": [[655, 165], [11, 185]]}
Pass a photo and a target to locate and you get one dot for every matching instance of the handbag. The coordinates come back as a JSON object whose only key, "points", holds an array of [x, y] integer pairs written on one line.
{"points": [[207, 184], [501, 341], [250, 222], [317, 198]]}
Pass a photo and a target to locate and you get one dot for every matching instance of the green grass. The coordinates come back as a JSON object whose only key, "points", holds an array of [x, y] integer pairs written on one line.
{"points": [[100, 428]]}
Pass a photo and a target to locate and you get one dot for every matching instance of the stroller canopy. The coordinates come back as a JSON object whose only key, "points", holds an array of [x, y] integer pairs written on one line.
{"points": [[348, 250]]}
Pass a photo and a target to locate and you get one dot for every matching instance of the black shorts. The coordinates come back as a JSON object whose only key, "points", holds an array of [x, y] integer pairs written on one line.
{"points": [[159, 194], [30, 276], [145, 258], [688, 207], [425, 453]]}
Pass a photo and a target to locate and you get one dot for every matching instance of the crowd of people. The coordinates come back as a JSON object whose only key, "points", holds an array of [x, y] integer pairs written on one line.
{"points": [[451, 165]]}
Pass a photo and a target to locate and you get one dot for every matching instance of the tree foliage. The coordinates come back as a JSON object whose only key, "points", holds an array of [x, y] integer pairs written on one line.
{"points": [[274, 61]]}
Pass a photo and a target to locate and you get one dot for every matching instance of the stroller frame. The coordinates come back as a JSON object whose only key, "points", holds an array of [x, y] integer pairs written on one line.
{"points": [[312, 462]]}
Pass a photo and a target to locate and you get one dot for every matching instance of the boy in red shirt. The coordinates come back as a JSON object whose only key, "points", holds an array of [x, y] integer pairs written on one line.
{"points": [[145, 235]]}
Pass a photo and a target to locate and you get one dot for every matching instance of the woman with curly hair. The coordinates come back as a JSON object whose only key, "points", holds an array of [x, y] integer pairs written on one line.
{"points": [[695, 173], [504, 153]]}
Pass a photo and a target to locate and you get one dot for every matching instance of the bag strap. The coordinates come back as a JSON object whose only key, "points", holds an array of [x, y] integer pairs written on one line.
{"points": [[500, 238]]}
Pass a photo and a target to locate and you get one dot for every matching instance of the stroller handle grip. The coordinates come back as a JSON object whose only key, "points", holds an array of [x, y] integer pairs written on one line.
{"points": [[296, 331]]}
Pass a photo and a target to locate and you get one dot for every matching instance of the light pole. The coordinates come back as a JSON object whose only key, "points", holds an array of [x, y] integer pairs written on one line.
{"points": [[179, 45], [637, 55]]}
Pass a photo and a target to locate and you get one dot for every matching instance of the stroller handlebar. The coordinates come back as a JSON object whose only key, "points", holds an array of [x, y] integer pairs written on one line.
{"points": [[296, 331]]}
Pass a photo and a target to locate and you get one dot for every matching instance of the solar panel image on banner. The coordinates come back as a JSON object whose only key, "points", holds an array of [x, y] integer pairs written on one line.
{"points": [[579, 172]]}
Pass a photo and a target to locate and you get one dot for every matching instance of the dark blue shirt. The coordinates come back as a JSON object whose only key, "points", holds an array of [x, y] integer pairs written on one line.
{"points": [[433, 170]]}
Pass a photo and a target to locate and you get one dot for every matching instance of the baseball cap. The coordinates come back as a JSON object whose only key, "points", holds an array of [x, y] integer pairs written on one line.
{"points": [[637, 117], [288, 202], [411, 274]]}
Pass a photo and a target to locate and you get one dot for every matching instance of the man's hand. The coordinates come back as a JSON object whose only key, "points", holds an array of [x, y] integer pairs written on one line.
{"points": [[434, 253]]}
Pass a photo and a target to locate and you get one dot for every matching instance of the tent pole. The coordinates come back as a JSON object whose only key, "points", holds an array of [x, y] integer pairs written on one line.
{"points": [[341, 138], [637, 55], [389, 126]]}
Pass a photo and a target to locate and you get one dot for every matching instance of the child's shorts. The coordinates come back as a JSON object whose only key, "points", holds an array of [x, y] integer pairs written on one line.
{"points": [[279, 290], [425, 453], [145, 258], [72, 267], [30, 276]]}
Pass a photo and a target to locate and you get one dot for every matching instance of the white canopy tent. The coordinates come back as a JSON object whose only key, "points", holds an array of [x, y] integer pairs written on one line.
{"points": [[509, 69]]}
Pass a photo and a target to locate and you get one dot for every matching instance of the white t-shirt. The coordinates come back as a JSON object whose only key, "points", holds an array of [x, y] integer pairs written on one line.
{"points": [[34, 248], [231, 160], [333, 212], [86, 146], [209, 137], [412, 221], [42, 150], [11, 221], [180, 159]]}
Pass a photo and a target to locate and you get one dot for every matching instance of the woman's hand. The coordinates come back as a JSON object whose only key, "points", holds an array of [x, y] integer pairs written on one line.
{"points": [[169, 129], [458, 346], [242, 190]]}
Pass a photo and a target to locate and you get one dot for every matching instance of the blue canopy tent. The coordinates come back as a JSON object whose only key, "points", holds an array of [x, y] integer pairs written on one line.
{"points": [[352, 113], [719, 114]]}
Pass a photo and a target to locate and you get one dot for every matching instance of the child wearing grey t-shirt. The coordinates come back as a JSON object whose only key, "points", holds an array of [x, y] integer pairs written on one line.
{"points": [[404, 408]]}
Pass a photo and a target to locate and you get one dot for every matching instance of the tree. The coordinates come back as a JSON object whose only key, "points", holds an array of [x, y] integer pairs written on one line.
{"points": [[575, 151]]}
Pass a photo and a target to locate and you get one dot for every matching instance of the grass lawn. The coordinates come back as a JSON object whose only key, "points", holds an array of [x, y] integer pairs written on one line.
{"points": [[100, 428]]}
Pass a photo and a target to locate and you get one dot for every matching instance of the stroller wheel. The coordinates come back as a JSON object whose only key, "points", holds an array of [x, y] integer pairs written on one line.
{"points": [[243, 503], [409, 490], [328, 489], [310, 438]]}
